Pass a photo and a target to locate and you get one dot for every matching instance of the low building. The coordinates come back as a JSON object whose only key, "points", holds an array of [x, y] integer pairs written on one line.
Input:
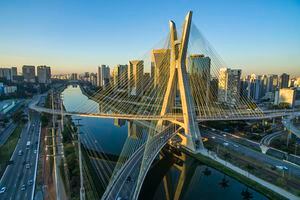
{"points": [[290, 96], [6, 90], [9, 89]]}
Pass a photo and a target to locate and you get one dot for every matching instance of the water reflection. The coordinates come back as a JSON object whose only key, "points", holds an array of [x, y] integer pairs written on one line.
{"points": [[174, 175]]}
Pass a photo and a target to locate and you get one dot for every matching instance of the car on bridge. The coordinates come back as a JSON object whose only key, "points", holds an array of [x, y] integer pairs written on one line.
{"points": [[3, 189]]}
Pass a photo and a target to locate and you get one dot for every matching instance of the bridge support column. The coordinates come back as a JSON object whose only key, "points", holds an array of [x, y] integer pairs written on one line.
{"points": [[179, 76]]}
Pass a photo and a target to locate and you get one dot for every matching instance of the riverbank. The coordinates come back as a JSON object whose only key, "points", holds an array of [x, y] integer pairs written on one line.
{"points": [[267, 189]]}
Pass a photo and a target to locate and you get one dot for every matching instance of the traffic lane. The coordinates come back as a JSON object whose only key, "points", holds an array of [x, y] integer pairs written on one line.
{"points": [[6, 133], [29, 173], [257, 155], [14, 169], [20, 169], [23, 170], [249, 143], [33, 156], [255, 145]]}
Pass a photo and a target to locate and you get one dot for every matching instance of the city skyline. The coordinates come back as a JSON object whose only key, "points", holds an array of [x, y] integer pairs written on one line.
{"points": [[86, 117], [97, 33]]}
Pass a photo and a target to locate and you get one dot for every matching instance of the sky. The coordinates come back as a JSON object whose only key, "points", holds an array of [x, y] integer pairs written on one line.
{"points": [[257, 36]]}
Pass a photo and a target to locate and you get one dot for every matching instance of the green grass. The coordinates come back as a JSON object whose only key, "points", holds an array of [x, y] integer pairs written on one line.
{"points": [[241, 178], [8, 148]]}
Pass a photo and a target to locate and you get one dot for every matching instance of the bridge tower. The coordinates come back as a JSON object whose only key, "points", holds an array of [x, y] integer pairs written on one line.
{"points": [[179, 76]]}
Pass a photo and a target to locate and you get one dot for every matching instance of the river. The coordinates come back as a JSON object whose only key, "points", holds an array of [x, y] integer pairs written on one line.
{"points": [[173, 176]]}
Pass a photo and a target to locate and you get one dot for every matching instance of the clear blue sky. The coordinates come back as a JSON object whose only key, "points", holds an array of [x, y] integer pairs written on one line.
{"points": [[260, 36]]}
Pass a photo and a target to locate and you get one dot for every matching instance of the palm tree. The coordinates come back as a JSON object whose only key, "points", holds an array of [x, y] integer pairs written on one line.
{"points": [[249, 168], [209, 148], [246, 194], [224, 182], [207, 172], [227, 156]]}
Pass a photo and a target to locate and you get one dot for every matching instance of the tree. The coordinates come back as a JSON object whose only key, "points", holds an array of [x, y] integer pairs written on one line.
{"points": [[249, 168], [246, 194], [227, 156], [44, 120], [224, 182], [207, 172]]}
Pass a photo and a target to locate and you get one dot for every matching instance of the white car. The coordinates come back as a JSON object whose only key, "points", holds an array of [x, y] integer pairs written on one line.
{"points": [[23, 187], [3, 189], [281, 167]]}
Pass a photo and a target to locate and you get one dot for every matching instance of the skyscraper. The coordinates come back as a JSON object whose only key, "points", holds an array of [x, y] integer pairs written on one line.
{"points": [[28, 73], [74, 76], [103, 76], [254, 87], [135, 77], [213, 89], [6, 73], [120, 76], [264, 85], [14, 72], [160, 65], [284, 80], [44, 74], [272, 85], [93, 79], [199, 70], [229, 86]]}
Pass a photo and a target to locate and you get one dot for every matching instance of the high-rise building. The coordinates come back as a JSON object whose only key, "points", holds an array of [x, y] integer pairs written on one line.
{"points": [[6, 73], [254, 87], [264, 85], [120, 76], [213, 91], [103, 76], [160, 65], [44, 74], [229, 86], [28, 73], [135, 77], [272, 85], [73, 77], [14, 72], [199, 70], [93, 79], [284, 80]]}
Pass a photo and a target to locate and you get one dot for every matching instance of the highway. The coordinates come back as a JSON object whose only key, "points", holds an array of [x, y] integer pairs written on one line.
{"points": [[18, 179], [268, 138], [221, 138], [288, 123], [245, 115], [4, 135], [120, 186]]}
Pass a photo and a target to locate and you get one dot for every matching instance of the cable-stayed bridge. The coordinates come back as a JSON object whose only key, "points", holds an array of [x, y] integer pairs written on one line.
{"points": [[179, 94], [245, 115]]}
